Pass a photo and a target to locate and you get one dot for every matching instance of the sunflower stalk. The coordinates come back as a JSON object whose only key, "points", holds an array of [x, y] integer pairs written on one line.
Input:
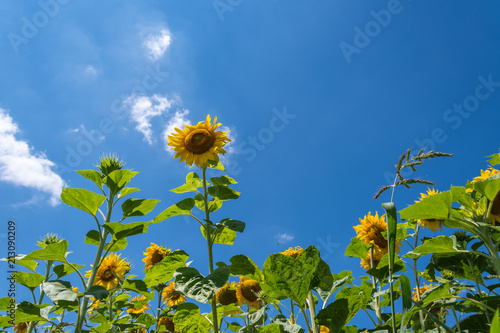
{"points": [[312, 311], [42, 293], [209, 246]]}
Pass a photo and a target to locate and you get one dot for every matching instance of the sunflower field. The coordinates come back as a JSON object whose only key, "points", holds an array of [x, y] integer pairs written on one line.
{"points": [[458, 291]]}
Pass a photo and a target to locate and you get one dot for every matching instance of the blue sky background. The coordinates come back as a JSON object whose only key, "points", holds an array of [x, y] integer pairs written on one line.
{"points": [[83, 78]]}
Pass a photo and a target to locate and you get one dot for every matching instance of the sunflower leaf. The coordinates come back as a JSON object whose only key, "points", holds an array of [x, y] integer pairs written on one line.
{"points": [[117, 179], [183, 207], [54, 252], [137, 286], [193, 182], [194, 285], [223, 192], [357, 248], [188, 319], [126, 191], [234, 225], [489, 187], [138, 207], [59, 290], [436, 206], [83, 199], [92, 175], [242, 265], [164, 270], [438, 244], [99, 292], [65, 269], [29, 280], [223, 180], [337, 314], [121, 231], [26, 312], [216, 165]]}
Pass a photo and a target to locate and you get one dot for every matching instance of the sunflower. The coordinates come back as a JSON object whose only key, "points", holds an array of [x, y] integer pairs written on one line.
{"points": [[110, 266], [136, 310], [168, 323], [324, 329], [495, 210], [227, 294], [293, 252], [370, 231], [484, 175], [377, 256], [421, 290], [199, 144], [248, 292], [95, 303], [154, 255], [432, 224], [171, 296], [21, 328]]}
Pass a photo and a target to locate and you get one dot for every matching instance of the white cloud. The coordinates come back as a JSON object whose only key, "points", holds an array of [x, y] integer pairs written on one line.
{"points": [[90, 70], [230, 147], [176, 121], [19, 165], [143, 108], [284, 238], [158, 44]]}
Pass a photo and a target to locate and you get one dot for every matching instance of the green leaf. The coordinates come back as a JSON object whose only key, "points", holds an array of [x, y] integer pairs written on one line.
{"points": [[7, 304], [82, 199], [223, 180], [65, 269], [99, 292], [103, 328], [495, 323], [116, 180], [242, 265], [28, 263], [27, 311], [126, 191], [222, 235], [459, 195], [381, 271], [489, 187], [433, 207], [466, 265], [54, 252], [139, 287], [286, 277], [365, 290], [407, 299], [183, 207], [29, 280], [189, 320], [337, 314], [92, 237], [438, 244], [234, 225], [213, 205], [223, 192], [272, 328], [323, 280], [357, 248], [164, 270], [216, 165], [392, 222], [193, 182], [59, 290], [194, 285], [120, 230], [92, 175], [138, 207]]}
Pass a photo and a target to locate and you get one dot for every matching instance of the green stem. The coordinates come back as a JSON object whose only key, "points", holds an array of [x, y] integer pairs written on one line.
{"points": [[456, 319], [42, 293], [312, 311], [102, 242], [158, 311], [417, 284], [209, 246], [374, 285]]}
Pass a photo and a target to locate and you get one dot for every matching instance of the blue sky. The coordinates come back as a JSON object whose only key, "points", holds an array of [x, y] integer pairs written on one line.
{"points": [[321, 99]]}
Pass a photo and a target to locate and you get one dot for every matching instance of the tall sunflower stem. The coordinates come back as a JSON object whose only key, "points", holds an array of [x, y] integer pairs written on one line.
{"points": [[42, 293], [158, 311], [312, 311], [209, 246], [415, 275], [378, 313], [102, 242]]}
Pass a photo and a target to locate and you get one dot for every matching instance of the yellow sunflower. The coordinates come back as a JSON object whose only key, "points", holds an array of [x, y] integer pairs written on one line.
{"points": [[324, 329], [95, 303], [378, 253], [171, 296], [432, 224], [200, 143], [110, 266], [226, 296], [484, 175], [293, 252], [21, 328], [168, 323], [138, 299], [370, 231], [422, 290], [154, 254], [248, 292]]}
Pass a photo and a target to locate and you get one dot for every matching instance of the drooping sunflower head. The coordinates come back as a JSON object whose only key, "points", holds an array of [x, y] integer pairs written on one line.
{"points": [[154, 254], [110, 266], [484, 175], [109, 163], [139, 305], [378, 253], [248, 292], [371, 228], [171, 296], [168, 323], [227, 294], [21, 328], [495, 210], [200, 143], [432, 224], [421, 290], [293, 252]]}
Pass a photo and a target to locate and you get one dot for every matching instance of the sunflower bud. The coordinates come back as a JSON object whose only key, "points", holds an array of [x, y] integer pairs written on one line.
{"points": [[109, 163]]}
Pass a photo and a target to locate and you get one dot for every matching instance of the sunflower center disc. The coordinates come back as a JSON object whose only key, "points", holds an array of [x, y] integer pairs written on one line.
{"points": [[199, 141], [107, 275]]}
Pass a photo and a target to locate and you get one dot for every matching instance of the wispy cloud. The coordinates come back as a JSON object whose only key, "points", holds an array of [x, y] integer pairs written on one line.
{"points": [[90, 70], [20, 165], [284, 238], [144, 108], [157, 44], [176, 121]]}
